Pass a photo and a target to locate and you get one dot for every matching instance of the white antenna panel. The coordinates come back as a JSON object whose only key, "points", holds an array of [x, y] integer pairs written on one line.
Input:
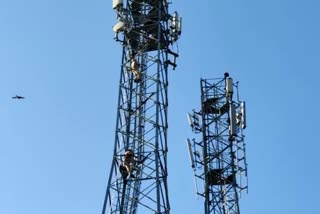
{"points": [[190, 153], [232, 125], [117, 3], [189, 119], [229, 85], [118, 27], [243, 115]]}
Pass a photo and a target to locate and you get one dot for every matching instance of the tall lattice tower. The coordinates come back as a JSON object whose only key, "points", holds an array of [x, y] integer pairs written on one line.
{"points": [[219, 157], [138, 177]]}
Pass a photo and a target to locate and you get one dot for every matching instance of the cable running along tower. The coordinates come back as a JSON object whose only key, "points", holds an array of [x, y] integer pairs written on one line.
{"points": [[218, 159], [138, 178]]}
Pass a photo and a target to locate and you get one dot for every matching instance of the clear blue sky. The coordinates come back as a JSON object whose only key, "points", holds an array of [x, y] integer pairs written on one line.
{"points": [[56, 145]]}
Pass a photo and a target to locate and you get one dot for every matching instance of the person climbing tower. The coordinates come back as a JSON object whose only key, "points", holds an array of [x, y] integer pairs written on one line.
{"points": [[135, 70]]}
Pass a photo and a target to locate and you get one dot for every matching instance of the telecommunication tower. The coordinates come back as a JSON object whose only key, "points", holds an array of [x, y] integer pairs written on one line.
{"points": [[138, 177], [218, 159]]}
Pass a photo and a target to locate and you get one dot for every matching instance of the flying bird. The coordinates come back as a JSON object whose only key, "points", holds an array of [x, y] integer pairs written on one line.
{"points": [[18, 97]]}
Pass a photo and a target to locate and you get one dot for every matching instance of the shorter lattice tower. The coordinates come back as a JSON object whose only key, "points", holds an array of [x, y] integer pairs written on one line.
{"points": [[219, 157]]}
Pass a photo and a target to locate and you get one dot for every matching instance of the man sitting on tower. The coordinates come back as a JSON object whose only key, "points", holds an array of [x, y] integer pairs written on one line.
{"points": [[128, 164]]}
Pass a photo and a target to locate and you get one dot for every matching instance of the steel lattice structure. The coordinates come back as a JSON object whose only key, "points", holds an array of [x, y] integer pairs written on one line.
{"points": [[219, 157], [146, 31]]}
